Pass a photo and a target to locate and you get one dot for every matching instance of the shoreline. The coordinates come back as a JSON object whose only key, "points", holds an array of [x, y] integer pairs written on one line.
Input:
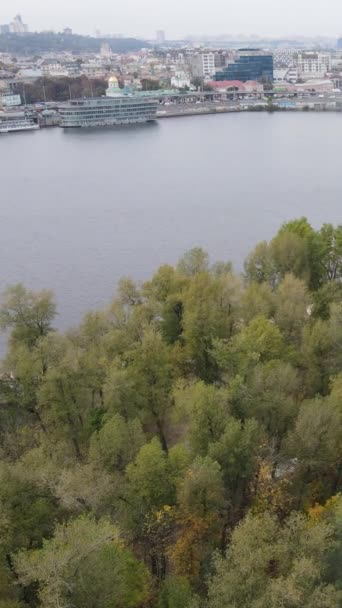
{"points": [[257, 109]]}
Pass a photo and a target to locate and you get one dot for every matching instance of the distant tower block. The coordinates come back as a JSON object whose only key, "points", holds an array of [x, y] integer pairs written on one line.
{"points": [[160, 36], [106, 51]]}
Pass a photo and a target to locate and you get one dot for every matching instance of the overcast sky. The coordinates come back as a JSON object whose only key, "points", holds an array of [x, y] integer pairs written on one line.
{"points": [[180, 17]]}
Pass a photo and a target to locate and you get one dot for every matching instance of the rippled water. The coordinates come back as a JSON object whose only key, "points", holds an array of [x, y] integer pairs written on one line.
{"points": [[79, 209]]}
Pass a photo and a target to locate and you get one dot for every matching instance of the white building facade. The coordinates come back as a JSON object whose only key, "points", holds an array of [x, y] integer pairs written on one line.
{"points": [[203, 65], [313, 65], [8, 99], [180, 80]]}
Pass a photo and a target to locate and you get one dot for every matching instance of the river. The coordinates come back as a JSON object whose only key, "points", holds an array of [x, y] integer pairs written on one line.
{"points": [[80, 209]]}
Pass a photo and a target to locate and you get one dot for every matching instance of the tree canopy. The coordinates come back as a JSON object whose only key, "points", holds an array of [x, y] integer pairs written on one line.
{"points": [[182, 447]]}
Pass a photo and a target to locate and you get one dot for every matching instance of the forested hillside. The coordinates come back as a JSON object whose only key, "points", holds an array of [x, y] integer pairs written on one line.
{"points": [[51, 42], [183, 447]]}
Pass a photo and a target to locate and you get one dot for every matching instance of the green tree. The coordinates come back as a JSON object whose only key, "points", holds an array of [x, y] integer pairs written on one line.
{"points": [[269, 565], [257, 301], [175, 593], [151, 370], [66, 398], [211, 309], [304, 260], [237, 452], [324, 297], [259, 266], [292, 307], [330, 241], [200, 492], [200, 495], [316, 443], [193, 261], [270, 396], [117, 443], [290, 255], [204, 408], [165, 294], [84, 563], [9, 592], [29, 315], [86, 488], [258, 342], [149, 486], [121, 393], [317, 353], [27, 509], [321, 351]]}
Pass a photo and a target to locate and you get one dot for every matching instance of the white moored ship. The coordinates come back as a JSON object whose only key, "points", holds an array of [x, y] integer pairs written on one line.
{"points": [[16, 121], [117, 108]]}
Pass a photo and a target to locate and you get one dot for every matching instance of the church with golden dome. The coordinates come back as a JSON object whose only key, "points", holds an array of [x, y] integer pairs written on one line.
{"points": [[113, 87]]}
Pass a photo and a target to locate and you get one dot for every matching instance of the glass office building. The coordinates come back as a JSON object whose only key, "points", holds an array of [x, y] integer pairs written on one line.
{"points": [[250, 65]]}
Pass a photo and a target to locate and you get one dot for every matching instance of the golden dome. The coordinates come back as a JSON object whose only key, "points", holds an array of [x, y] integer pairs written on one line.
{"points": [[113, 81]]}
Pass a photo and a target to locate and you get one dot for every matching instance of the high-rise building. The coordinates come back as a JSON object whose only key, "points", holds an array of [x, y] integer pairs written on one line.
{"points": [[4, 29], [203, 65], [160, 36], [250, 64], [220, 59], [339, 43], [106, 51], [17, 26]]}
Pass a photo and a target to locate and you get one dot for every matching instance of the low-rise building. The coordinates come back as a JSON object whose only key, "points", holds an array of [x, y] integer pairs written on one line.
{"points": [[8, 99], [227, 85], [29, 74], [292, 74], [180, 80], [54, 70], [93, 70], [315, 86], [249, 87], [279, 74], [312, 64], [252, 86]]}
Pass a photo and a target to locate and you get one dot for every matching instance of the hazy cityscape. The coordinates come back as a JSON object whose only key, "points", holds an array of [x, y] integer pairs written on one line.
{"points": [[39, 70]]}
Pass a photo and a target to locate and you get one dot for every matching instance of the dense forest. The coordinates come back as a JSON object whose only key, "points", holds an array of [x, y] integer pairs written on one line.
{"points": [[183, 447], [51, 42]]}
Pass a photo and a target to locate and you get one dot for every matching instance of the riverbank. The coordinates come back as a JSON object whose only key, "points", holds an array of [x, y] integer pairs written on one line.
{"points": [[184, 110]]}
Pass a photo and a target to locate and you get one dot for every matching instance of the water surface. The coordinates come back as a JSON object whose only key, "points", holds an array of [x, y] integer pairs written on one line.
{"points": [[79, 209]]}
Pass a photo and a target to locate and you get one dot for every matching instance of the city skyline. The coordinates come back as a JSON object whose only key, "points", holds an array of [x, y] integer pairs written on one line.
{"points": [[181, 19]]}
